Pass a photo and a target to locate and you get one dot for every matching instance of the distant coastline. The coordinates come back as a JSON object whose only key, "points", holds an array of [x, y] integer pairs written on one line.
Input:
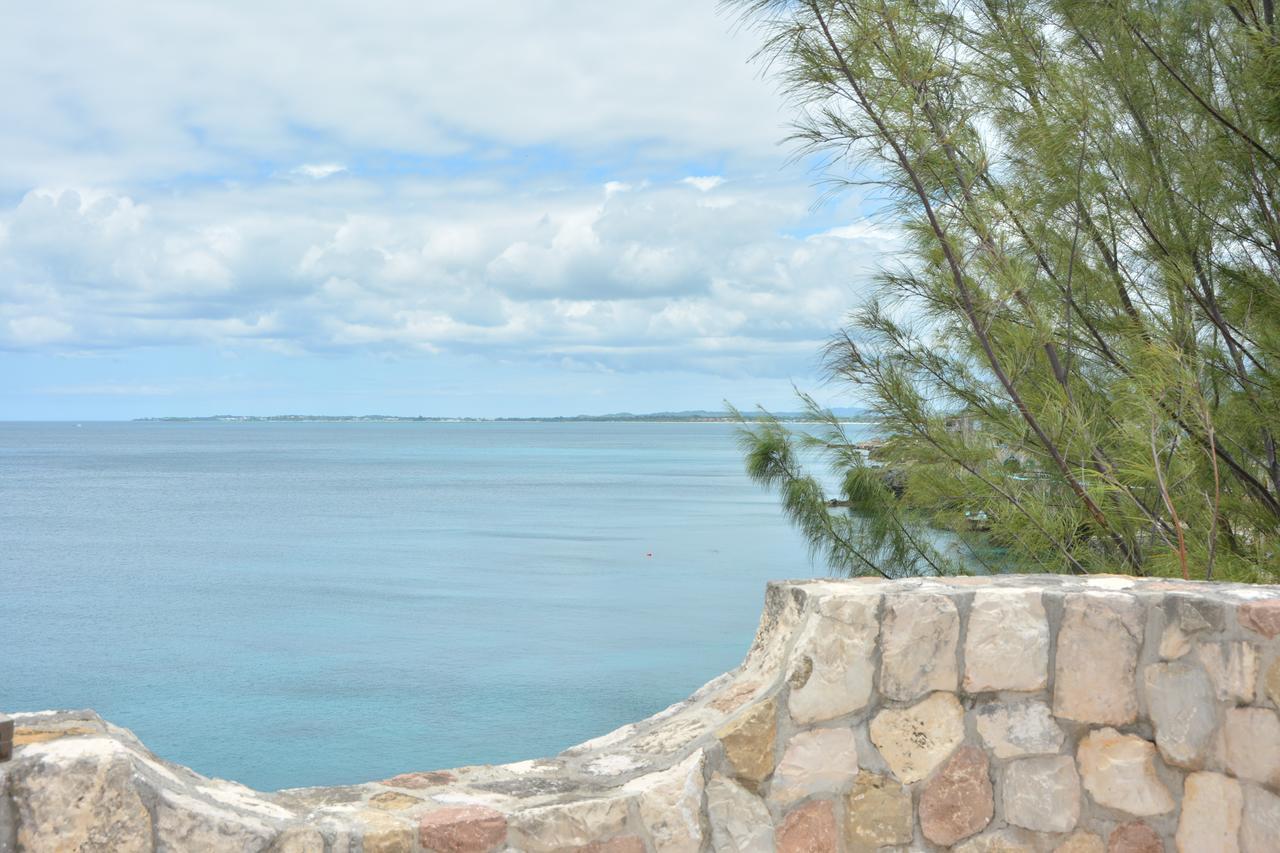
{"points": [[695, 416]]}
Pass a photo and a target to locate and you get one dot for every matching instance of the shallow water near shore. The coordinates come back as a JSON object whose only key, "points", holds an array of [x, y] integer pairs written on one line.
{"points": [[290, 604]]}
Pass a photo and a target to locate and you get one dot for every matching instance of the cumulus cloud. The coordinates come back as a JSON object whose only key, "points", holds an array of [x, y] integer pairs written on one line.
{"points": [[593, 186], [657, 276], [199, 88]]}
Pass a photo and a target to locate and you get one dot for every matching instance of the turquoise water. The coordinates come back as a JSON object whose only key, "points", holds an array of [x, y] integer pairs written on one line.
{"points": [[313, 604]]}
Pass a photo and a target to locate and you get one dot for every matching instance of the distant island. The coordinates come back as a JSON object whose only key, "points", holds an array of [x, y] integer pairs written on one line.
{"points": [[693, 416]]}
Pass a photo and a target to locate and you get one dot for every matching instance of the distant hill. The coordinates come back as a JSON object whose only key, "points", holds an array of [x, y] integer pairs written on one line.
{"points": [[691, 416]]}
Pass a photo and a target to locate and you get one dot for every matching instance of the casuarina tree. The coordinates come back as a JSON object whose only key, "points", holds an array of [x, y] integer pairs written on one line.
{"points": [[1080, 343]]}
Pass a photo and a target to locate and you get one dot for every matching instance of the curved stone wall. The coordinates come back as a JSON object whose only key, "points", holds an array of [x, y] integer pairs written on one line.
{"points": [[1010, 714]]}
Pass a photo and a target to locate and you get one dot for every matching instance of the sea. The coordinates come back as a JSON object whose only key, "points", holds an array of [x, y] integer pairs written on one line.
{"points": [[296, 604]]}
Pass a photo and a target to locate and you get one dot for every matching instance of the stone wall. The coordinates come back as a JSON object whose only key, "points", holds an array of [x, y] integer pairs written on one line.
{"points": [[979, 715]]}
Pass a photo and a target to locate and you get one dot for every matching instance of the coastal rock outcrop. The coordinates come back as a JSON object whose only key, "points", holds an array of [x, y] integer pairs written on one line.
{"points": [[1012, 713]]}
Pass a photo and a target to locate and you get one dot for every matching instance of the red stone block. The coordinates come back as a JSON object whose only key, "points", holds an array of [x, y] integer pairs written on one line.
{"points": [[462, 829]]}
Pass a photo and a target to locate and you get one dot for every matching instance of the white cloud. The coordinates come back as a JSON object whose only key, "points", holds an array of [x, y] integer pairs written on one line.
{"points": [[111, 93], [705, 184], [319, 171], [652, 277], [171, 176]]}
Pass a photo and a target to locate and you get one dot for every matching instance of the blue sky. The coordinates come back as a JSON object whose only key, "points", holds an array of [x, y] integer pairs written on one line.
{"points": [[448, 208]]}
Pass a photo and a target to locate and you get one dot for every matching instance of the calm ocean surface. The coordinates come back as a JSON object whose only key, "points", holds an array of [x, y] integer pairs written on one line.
{"points": [[316, 604]]}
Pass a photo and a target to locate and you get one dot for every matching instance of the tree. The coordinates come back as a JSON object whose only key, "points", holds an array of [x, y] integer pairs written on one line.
{"points": [[1090, 194]]}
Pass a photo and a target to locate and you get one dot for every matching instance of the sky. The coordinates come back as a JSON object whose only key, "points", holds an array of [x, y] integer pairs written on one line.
{"points": [[444, 208]]}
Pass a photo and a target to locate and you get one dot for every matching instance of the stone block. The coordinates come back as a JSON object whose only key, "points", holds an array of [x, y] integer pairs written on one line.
{"points": [[621, 844], [1097, 659], [999, 841], [748, 743], [815, 761], [1186, 618], [561, 826], [877, 813], [913, 741], [670, 805], [809, 829], [835, 652], [1251, 738], [1007, 645], [382, 833], [79, 795], [1042, 793], [462, 829], [1233, 669], [1271, 686], [1183, 710], [1014, 729], [187, 823], [957, 801], [1261, 617], [918, 638], [1119, 772], [1081, 842], [1211, 814], [740, 821], [298, 839], [393, 801], [1260, 821], [1136, 836]]}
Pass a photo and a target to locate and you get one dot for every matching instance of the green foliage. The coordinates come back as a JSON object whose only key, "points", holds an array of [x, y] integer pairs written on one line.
{"points": [[1090, 194]]}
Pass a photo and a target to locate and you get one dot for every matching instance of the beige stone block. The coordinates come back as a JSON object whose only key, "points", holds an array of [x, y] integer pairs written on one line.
{"points": [[1007, 644], [1174, 642], [999, 841], [749, 741], [1251, 738], [1233, 669], [877, 813], [187, 823], [670, 805], [815, 761], [299, 839], [918, 638], [565, 825], [1042, 793], [1081, 842], [1119, 772], [621, 844], [382, 833], [1022, 727], [835, 653], [77, 794], [1097, 658], [740, 821], [913, 741], [1211, 814], [1260, 821]]}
